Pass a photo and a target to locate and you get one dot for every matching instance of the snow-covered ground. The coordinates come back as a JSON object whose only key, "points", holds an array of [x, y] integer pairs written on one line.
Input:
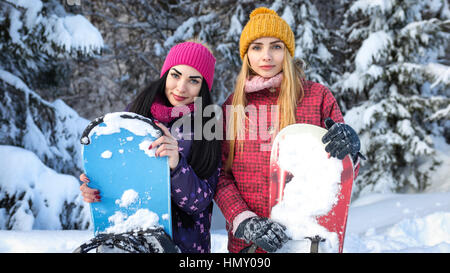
{"points": [[399, 223], [376, 223]]}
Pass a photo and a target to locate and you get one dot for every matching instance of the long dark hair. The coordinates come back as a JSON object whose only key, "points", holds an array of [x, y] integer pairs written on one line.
{"points": [[205, 154]]}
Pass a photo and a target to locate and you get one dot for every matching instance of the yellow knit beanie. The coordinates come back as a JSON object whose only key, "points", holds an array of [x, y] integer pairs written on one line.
{"points": [[265, 22]]}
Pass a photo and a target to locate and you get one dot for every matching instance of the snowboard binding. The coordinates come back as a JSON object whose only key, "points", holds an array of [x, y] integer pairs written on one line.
{"points": [[315, 241], [148, 241]]}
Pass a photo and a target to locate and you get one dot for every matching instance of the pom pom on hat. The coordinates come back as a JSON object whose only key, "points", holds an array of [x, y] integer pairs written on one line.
{"points": [[262, 10], [265, 22]]}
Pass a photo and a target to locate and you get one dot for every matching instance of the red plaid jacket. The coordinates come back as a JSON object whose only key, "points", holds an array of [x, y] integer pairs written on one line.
{"points": [[247, 186]]}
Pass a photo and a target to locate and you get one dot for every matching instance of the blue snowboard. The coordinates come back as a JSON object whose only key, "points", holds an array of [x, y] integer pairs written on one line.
{"points": [[134, 185]]}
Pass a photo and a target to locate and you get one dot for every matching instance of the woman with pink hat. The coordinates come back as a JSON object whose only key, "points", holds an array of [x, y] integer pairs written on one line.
{"points": [[187, 74]]}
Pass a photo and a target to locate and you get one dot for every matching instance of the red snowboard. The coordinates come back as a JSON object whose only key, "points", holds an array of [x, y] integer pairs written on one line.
{"points": [[334, 215]]}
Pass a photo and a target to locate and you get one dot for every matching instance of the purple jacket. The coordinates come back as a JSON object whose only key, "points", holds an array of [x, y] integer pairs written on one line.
{"points": [[192, 202]]}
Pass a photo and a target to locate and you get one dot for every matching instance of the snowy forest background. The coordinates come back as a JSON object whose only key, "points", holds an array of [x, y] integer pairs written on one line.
{"points": [[65, 62]]}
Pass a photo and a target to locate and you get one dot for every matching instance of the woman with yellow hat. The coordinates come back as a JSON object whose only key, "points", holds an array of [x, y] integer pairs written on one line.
{"points": [[269, 79]]}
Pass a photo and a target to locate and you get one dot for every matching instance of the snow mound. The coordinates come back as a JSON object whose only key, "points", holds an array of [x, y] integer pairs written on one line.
{"points": [[128, 197], [430, 233], [37, 197], [142, 219], [399, 223]]}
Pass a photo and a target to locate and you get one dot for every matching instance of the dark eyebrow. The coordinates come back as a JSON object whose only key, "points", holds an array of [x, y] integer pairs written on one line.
{"points": [[177, 71], [274, 42], [191, 77]]}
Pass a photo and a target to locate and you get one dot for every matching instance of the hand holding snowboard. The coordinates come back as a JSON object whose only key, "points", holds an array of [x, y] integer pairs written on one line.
{"points": [[89, 195], [342, 139], [167, 145], [263, 232]]}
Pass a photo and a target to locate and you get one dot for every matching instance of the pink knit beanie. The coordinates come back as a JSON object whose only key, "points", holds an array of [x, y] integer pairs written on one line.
{"points": [[192, 54]]}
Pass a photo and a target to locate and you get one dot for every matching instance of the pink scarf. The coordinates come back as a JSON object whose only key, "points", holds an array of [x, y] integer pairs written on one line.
{"points": [[256, 83], [167, 114]]}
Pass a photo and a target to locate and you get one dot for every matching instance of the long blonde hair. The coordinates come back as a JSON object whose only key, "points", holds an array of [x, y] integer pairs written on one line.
{"points": [[291, 93]]}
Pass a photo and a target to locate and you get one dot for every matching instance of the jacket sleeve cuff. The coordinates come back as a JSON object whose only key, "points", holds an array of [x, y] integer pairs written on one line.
{"points": [[240, 218], [181, 164]]}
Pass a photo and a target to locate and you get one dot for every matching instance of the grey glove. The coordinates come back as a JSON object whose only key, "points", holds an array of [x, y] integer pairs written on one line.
{"points": [[263, 232]]}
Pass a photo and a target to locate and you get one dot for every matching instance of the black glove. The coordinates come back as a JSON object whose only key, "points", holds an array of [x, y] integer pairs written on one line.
{"points": [[263, 232], [343, 140]]}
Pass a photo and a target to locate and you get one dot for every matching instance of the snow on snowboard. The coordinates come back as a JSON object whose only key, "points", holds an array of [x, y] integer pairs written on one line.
{"points": [[134, 184], [309, 191]]}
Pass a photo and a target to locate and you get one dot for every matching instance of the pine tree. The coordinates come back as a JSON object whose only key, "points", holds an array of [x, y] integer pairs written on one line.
{"points": [[36, 40], [233, 16], [396, 79], [313, 40], [35, 37]]}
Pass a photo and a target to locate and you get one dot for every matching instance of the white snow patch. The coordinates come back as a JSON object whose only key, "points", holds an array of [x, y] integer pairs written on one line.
{"points": [[128, 197], [142, 219], [399, 223], [367, 6], [288, 16], [42, 241], [440, 73], [106, 154], [144, 147], [235, 27], [44, 193], [114, 122], [371, 49], [74, 32]]}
